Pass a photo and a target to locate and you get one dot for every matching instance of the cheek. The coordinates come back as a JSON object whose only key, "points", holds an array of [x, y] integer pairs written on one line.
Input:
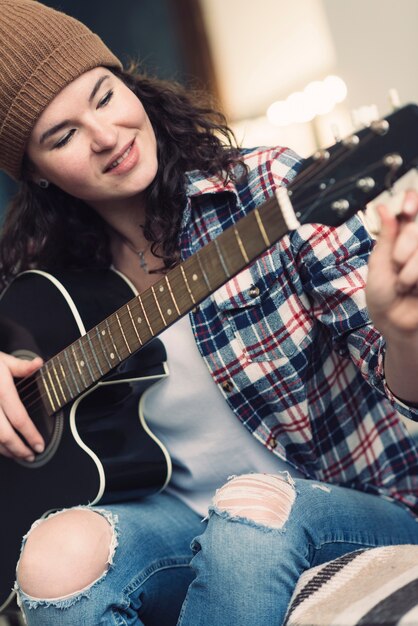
{"points": [[71, 175], [138, 117], [61, 167]]}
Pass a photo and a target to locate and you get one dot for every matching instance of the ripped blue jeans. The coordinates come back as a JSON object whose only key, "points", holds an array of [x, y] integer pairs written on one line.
{"points": [[262, 533]]}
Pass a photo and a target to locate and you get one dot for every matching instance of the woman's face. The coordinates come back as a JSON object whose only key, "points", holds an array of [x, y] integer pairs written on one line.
{"points": [[95, 141]]}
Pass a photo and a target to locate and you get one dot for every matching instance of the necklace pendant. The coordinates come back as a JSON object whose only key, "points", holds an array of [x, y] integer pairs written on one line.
{"points": [[142, 261]]}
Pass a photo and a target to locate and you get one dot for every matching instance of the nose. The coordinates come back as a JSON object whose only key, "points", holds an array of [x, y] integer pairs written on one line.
{"points": [[104, 136]]}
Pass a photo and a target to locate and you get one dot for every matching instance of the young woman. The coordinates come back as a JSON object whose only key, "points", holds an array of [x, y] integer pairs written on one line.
{"points": [[279, 378]]}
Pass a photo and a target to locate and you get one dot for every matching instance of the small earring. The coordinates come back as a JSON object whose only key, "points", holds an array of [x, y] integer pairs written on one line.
{"points": [[43, 183]]}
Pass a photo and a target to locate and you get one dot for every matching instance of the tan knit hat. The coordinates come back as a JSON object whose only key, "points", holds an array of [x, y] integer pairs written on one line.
{"points": [[41, 51]]}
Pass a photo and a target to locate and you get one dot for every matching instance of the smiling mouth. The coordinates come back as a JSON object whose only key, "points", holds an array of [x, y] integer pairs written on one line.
{"points": [[120, 159]]}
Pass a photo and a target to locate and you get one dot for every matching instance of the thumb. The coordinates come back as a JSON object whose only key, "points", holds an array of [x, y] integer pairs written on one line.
{"points": [[389, 226]]}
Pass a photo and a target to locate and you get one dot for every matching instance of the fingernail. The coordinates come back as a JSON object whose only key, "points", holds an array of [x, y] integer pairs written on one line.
{"points": [[30, 458], [39, 448], [410, 206]]}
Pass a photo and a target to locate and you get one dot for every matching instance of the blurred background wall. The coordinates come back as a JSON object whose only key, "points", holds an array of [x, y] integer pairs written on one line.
{"points": [[263, 59]]}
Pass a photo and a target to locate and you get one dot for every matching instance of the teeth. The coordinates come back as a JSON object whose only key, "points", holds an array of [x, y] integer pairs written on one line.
{"points": [[120, 159]]}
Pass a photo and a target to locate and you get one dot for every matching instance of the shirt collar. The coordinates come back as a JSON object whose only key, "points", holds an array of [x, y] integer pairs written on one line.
{"points": [[198, 184]]}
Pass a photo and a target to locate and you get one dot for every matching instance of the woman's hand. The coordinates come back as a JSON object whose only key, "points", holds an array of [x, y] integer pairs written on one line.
{"points": [[392, 285], [13, 415]]}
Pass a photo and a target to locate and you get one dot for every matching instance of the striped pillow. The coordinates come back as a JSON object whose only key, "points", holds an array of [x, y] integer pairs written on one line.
{"points": [[370, 587]]}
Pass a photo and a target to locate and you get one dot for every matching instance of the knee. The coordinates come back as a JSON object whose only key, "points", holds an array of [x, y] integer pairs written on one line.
{"points": [[65, 553], [266, 499]]}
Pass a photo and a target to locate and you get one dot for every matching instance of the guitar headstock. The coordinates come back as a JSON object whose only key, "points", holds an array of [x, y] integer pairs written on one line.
{"points": [[335, 183]]}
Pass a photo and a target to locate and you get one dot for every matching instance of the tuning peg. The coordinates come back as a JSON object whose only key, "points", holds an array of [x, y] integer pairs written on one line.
{"points": [[351, 141], [394, 99]]}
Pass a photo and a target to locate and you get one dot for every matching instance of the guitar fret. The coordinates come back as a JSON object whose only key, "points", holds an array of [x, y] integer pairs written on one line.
{"points": [[93, 352], [58, 381], [85, 361], [133, 324], [187, 284], [46, 387], [122, 333], [165, 296], [139, 320], [202, 269], [71, 371], [64, 379], [158, 305], [112, 354], [52, 384], [261, 227], [146, 316], [101, 332], [221, 258], [241, 245], [80, 365], [172, 295]]}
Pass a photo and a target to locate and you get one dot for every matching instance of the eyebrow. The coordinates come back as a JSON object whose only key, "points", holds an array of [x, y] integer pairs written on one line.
{"points": [[55, 129], [97, 86]]}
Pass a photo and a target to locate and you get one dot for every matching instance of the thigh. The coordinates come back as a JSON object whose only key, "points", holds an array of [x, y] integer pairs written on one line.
{"points": [[247, 570], [148, 574], [334, 520]]}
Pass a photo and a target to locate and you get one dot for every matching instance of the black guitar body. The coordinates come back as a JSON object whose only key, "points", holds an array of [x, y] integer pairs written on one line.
{"points": [[99, 448]]}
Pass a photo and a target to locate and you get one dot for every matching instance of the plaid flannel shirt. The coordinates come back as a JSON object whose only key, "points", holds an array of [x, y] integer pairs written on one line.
{"points": [[290, 343]]}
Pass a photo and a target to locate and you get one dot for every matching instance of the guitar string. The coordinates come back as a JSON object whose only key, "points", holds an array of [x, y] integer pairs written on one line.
{"points": [[337, 152], [29, 383], [334, 191]]}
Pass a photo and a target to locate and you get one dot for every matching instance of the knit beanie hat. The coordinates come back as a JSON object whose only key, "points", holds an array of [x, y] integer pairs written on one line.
{"points": [[41, 51]]}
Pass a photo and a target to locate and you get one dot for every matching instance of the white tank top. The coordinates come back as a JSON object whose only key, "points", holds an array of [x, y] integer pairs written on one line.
{"points": [[204, 438]]}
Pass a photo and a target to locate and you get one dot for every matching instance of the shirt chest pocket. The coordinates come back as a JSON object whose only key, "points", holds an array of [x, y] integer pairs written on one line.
{"points": [[268, 319]]}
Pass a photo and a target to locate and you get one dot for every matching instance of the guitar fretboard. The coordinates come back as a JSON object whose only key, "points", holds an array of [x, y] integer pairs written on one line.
{"points": [[82, 364]]}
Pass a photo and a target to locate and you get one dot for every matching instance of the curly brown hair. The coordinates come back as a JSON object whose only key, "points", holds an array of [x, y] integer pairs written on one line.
{"points": [[48, 228]]}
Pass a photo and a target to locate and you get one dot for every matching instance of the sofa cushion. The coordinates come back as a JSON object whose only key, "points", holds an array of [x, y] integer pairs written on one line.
{"points": [[370, 587]]}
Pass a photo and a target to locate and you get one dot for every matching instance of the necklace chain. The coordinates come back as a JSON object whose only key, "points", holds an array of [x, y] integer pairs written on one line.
{"points": [[140, 253]]}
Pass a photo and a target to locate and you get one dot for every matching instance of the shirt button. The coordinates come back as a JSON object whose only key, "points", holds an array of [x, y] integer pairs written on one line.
{"points": [[273, 443], [254, 291], [227, 386]]}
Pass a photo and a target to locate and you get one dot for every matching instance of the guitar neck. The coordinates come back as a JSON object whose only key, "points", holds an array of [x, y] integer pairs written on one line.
{"points": [[82, 364]]}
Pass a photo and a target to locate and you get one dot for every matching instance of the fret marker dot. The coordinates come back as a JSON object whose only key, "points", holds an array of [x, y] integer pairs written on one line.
{"points": [[169, 311], [139, 320], [161, 288], [82, 364], [195, 277], [103, 332], [112, 355]]}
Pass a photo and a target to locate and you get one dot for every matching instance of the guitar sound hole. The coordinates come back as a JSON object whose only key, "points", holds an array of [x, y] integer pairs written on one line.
{"points": [[51, 430]]}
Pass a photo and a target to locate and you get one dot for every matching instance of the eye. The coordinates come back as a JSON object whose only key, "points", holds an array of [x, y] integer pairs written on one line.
{"points": [[106, 99], [62, 142]]}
